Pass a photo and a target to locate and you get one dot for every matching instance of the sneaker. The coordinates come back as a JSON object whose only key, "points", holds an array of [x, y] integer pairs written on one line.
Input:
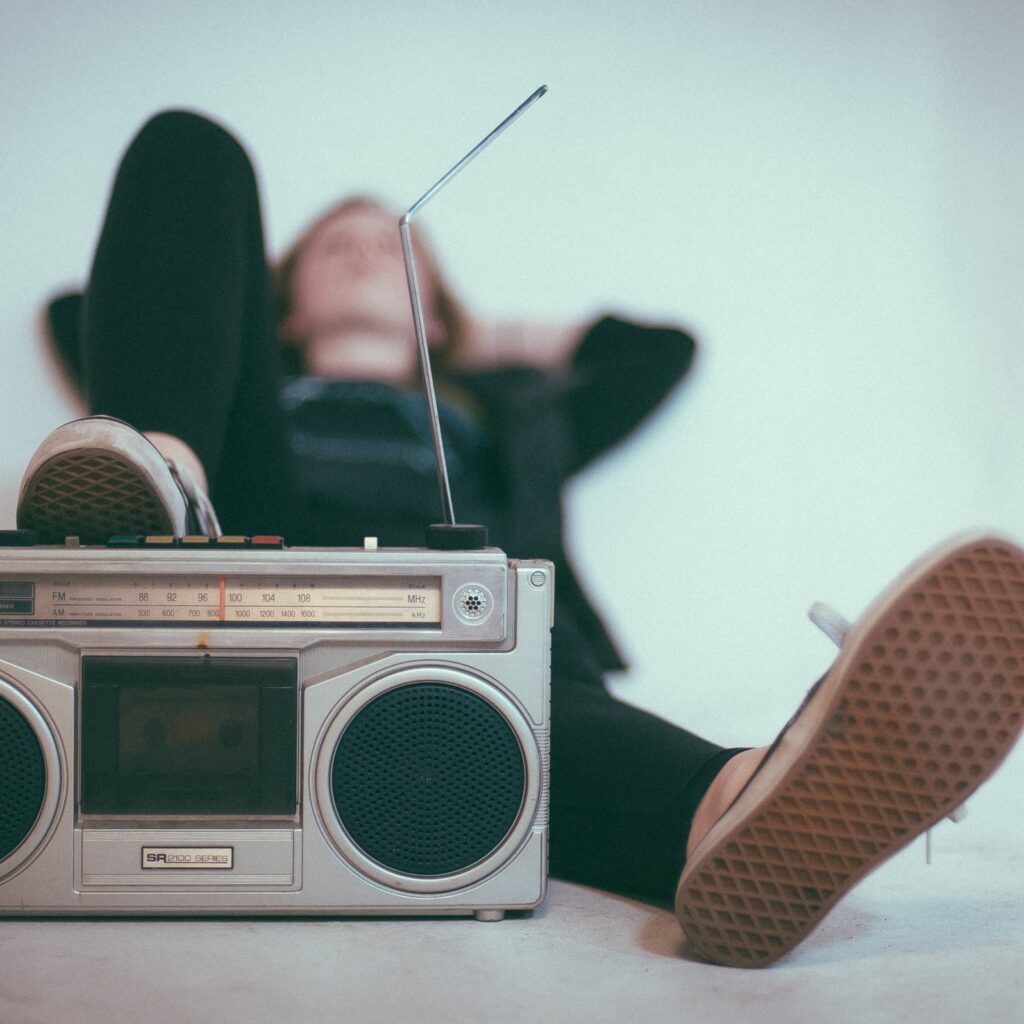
{"points": [[923, 703], [98, 477]]}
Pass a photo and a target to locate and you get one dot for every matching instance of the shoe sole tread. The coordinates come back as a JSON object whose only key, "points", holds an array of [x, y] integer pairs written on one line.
{"points": [[919, 709]]}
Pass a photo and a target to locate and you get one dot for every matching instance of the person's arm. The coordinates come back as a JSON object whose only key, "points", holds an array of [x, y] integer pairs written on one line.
{"points": [[493, 345], [618, 375], [610, 374], [61, 329]]}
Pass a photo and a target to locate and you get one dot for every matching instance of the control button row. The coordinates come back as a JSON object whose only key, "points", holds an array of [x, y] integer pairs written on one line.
{"points": [[261, 541]]}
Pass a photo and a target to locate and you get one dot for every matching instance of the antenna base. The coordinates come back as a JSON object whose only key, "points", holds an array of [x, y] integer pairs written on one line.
{"points": [[456, 537]]}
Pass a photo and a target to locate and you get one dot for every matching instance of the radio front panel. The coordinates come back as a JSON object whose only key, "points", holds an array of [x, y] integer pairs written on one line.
{"points": [[371, 738]]}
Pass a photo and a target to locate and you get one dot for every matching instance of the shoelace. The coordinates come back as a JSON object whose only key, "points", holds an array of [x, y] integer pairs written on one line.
{"points": [[201, 515], [835, 626]]}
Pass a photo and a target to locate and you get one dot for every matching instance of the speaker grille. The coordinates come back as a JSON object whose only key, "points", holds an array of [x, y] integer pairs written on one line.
{"points": [[428, 779], [22, 778]]}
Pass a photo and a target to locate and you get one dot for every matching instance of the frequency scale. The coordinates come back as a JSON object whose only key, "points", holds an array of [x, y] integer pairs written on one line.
{"points": [[155, 599]]}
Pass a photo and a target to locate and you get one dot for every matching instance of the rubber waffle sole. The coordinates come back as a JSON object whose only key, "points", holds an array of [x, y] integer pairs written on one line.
{"points": [[915, 714], [91, 495]]}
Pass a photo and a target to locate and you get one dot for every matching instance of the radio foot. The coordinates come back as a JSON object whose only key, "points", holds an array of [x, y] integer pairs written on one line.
{"points": [[489, 915]]}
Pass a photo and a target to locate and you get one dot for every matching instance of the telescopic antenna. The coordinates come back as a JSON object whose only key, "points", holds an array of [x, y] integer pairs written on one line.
{"points": [[449, 534]]}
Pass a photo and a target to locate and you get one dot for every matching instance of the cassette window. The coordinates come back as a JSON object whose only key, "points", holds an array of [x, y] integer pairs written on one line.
{"points": [[188, 736]]}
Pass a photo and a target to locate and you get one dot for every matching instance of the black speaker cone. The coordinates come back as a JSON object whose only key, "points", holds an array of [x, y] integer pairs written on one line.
{"points": [[22, 778], [428, 779]]}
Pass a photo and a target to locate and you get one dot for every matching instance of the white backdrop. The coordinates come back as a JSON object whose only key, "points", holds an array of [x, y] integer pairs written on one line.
{"points": [[827, 191]]}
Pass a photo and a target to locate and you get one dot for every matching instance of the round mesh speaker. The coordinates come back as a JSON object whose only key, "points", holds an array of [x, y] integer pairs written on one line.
{"points": [[22, 778], [428, 779]]}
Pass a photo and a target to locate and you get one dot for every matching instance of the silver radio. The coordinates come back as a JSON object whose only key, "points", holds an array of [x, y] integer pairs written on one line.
{"points": [[272, 731], [228, 726]]}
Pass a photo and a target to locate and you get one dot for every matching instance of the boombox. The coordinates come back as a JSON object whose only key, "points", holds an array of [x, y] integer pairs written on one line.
{"points": [[228, 726], [254, 730]]}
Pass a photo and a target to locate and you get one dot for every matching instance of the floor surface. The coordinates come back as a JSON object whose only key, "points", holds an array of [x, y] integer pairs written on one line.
{"points": [[939, 944]]}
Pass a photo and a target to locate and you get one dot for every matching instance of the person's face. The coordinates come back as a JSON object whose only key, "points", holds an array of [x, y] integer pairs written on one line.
{"points": [[350, 276]]}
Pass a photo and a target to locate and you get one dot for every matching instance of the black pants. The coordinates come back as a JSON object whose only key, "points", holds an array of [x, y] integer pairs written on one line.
{"points": [[178, 336]]}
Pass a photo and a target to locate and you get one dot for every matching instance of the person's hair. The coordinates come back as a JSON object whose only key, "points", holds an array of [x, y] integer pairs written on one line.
{"points": [[447, 310]]}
